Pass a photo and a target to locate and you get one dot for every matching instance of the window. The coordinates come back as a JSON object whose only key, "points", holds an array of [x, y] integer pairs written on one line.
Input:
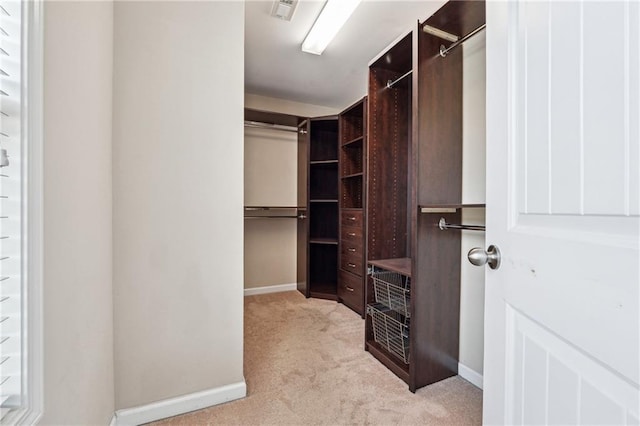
{"points": [[20, 218]]}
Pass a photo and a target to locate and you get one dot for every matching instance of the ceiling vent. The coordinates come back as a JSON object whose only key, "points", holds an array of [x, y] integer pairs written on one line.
{"points": [[283, 9]]}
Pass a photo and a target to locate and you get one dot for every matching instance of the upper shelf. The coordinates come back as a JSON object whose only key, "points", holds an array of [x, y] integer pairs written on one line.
{"points": [[448, 208], [402, 265]]}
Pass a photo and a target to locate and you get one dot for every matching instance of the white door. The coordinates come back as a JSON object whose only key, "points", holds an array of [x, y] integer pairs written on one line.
{"points": [[563, 170]]}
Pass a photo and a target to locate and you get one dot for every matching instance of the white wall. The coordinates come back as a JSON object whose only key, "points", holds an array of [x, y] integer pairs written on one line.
{"points": [[473, 192], [178, 198], [78, 310]]}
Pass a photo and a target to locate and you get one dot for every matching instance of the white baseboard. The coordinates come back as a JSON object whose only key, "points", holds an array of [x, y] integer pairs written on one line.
{"points": [[470, 375], [180, 405], [270, 289]]}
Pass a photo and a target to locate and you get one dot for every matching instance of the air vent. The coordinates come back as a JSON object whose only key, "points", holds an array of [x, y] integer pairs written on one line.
{"points": [[283, 9]]}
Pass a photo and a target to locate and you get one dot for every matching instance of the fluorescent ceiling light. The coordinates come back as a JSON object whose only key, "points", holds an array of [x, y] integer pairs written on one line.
{"points": [[333, 16]]}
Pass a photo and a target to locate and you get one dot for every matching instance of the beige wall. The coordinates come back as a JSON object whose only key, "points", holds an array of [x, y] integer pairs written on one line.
{"points": [[265, 103], [473, 191], [178, 198], [270, 170], [78, 311], [271, 162]]}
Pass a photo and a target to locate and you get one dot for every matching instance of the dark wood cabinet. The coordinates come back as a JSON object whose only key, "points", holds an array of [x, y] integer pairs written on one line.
{"points": [[319, 224], [353, 142], [415, 178]]}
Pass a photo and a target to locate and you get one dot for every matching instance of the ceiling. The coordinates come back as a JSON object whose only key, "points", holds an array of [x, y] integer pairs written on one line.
{"points": [[276, 67]]}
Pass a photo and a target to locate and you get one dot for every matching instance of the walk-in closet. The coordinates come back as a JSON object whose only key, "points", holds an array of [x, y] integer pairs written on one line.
{"points": [[374, 205]]}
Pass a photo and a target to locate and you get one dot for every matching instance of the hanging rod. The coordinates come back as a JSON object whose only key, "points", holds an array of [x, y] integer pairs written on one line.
{"points": [[445, 50], [390, 83], [443, 225], [261, 125]]}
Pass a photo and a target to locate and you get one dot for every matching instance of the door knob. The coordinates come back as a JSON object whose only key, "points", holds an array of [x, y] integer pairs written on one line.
{"points": [[479, 257], [302, 216]]}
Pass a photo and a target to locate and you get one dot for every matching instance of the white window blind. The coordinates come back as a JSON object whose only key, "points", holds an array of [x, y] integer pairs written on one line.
{"points": [[12, 338]]}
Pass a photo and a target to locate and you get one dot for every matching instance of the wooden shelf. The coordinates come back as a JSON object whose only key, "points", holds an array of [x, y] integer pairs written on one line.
{"points": [[448, 208], [354, 141], [360, 174], [317, 162], [328, 241], [401, 265]]}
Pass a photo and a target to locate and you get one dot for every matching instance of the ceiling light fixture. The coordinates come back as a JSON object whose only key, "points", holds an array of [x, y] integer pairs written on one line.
{"points": [[333, 16]]}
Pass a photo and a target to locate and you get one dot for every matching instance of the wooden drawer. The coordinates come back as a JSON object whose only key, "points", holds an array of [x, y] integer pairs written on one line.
{"points": [[351, 257], [351, 218], [351, 234], [351, 291]]}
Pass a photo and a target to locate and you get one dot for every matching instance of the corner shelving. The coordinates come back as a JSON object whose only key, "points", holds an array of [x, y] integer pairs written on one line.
{"points": [[353, 140], [322, 206]]}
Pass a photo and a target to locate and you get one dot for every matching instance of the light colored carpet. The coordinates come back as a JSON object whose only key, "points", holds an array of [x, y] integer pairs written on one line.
{"points": [[305, 364]]}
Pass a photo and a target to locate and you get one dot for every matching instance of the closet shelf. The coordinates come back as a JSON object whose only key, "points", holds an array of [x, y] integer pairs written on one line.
{"points": [[328, 241], [360, 174], [324, 201], [448, 208], [401, 265], [354, 141], [317, 162]]}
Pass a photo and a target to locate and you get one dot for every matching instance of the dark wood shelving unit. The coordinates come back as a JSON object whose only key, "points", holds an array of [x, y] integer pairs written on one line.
{"points": [[318, 157], [352, 265], [414, 178]]}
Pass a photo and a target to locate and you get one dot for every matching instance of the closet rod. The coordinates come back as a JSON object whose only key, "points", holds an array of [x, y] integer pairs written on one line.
{"points": [[271, 126], [390, 83], [443, 225], [445, 50]]}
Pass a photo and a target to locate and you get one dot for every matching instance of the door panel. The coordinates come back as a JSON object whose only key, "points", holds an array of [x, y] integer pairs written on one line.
{"points": [[561, 314]]}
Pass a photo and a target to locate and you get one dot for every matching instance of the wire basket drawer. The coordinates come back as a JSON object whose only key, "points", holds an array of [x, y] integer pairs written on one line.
{"points": [[390, 330], [392, 290]]}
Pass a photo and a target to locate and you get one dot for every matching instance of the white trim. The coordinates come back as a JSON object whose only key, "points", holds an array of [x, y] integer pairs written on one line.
{"points": [[180, 405], [470, 375], [270, 289], [32, 128], [114, 420]]}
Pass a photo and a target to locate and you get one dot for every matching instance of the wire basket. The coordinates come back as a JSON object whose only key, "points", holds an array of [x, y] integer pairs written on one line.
{"points": [[390, 330], [392, 290]]}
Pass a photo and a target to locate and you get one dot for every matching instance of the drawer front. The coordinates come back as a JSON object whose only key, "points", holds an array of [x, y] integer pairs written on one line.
{"points": [[350, 291], [351, 234], [351, 218], [351, 257]]}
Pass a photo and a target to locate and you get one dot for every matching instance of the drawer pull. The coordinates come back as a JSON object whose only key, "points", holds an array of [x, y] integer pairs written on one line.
{"points": [[351, 234], [353, 218], [351, 249], [348, 288], [351, 265]]}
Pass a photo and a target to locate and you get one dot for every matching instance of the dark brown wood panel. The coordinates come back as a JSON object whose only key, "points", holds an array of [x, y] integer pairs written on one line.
{"points": [[302, 249], [458, 17], [439, 123], [387, 157], [435, 297], [397, 59]]}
